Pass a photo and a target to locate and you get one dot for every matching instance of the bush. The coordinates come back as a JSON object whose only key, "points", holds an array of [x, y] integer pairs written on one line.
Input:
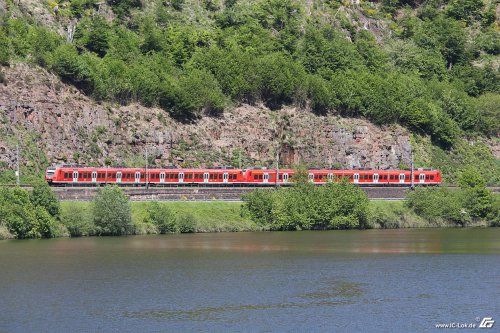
{"points": [[438, 203], [186, 223], [305, 206], [162, 217], [78, 221], [111, 212]]}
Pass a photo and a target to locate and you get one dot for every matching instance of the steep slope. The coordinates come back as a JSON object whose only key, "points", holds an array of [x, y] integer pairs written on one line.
{"points": [[56, 123]]}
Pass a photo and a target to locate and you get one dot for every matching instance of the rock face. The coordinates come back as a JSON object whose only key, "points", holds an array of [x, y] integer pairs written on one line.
{"points": [[55, 123]]}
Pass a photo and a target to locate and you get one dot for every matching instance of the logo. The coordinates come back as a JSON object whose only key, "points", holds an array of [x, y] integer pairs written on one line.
{"points": [[487, 322]]}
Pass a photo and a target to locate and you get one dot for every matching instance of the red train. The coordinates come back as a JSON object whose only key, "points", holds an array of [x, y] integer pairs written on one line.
{"points": [[80, 175]]}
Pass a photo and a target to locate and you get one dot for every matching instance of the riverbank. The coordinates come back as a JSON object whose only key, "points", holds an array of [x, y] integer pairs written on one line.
{"points": [[219, 216]]}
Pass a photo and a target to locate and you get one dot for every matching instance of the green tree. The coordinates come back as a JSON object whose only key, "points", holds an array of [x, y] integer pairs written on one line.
{"points": [[71, 68], [18, 213], [46, 226], [196, 93], [280, 77], [478, 199], [43, 196], [111, 212], [488, 114], [467, 10]]}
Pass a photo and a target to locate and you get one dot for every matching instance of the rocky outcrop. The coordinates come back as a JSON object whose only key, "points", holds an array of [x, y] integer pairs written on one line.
{"points": [[55, 122]]}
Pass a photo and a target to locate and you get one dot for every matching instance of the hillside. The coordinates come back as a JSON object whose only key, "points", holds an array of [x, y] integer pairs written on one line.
{"points": [[337, 84]]}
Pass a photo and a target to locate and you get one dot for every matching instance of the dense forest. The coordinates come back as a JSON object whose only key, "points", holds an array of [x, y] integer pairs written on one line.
{"points": [[430, 66]]}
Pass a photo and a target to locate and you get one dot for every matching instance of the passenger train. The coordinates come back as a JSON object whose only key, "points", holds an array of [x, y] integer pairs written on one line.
{"points": [[227, 176]]}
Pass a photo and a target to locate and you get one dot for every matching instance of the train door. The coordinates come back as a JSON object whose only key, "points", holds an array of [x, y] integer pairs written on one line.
{"points": [[118, 177], [75, 176], [94, 176], [181, 177], [356, 178], [266, 177], [285, 178], [205, 177], [375, 178], [137, 177], [421, 177], [311, 177], [162, 177], [401, 177], [330, 177], [225, 177]]}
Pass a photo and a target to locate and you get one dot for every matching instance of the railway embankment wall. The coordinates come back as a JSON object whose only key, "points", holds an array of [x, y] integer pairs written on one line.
{"points": [[201, 194]]}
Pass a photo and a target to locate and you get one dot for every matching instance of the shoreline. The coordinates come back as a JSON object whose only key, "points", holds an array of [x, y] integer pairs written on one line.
{"points": [[224, 216]]}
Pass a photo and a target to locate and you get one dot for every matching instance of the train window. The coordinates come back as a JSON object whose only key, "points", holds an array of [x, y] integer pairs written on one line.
{"points": [[280, 177], [270, 177], [427, 177], [196, 176], [66, 175], [260, 177], [176, 176], [98, 175], [220, 176], [211, 176], [255, 177], [371, 177], [392, 177]]}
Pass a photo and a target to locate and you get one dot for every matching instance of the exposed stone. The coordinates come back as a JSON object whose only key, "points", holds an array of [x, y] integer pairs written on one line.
{"points": [[74, 128]]}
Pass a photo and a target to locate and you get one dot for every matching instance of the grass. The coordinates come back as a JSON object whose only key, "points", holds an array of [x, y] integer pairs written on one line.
{"points": [[219, 216], [216, 216]]}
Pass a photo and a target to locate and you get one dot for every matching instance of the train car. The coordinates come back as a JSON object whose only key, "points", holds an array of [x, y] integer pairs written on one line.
{"points": [[263, 176], [81, 176]]}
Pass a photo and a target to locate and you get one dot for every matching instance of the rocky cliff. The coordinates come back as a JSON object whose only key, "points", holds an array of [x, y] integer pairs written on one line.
{"points": [[55, 123]]}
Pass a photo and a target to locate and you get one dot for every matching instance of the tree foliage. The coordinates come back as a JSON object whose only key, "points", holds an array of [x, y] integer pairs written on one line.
{"points": [[111, 212], [431, 74], [306, 206], [26, 216]]}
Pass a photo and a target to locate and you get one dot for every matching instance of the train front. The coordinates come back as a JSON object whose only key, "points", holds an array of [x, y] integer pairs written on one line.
{"points": [[50, 174]]}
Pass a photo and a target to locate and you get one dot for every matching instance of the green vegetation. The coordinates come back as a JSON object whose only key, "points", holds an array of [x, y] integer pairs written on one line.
{"points": [[308, 207], [425, 76], [336, 206], [164, 217], [430, 66], [472, 203], [111, 212], [29, 215]]}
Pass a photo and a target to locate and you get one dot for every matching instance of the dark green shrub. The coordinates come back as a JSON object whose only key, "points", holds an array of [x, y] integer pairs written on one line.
{"points": [[186, 223], [78, 221], [111, 212], [162, 217]]}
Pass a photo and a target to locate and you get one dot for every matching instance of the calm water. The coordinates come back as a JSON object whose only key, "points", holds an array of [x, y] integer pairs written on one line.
{"points": [[377, 280]]}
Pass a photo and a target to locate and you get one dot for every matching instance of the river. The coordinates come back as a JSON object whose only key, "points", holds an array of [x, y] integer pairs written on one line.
{"points": [[374, 280]]}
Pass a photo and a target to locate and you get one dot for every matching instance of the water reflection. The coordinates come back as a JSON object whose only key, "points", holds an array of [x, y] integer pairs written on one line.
{"points": [[299, 281]]}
